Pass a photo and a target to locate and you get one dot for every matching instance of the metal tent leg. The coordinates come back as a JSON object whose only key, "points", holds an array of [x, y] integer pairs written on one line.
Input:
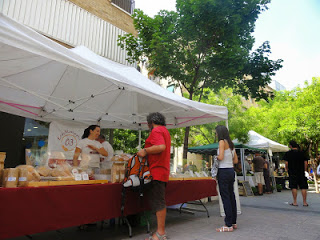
{"points": [[192, 210]]}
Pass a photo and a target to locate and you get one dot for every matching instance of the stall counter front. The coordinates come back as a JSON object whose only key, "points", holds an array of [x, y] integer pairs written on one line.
{"points": [[29, 210]]}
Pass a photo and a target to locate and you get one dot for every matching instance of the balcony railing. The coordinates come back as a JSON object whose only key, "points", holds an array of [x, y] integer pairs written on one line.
{"points": [[126, 5]]}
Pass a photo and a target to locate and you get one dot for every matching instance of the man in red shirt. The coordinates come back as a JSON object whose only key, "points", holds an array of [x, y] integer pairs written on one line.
{"points": [[157, 148]]}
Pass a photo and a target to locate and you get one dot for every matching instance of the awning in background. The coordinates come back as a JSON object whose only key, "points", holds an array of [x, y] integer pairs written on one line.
{"points": [[212, 148], [258, 141]]}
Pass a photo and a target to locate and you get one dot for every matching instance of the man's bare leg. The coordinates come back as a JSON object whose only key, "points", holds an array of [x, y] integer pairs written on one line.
{"points": [[294, 195], [161, 222], [304, 196], [260, 188]]}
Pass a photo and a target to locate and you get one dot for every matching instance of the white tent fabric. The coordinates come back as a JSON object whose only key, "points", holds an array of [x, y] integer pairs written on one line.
{"points": [[43, 80], [258, 141]]}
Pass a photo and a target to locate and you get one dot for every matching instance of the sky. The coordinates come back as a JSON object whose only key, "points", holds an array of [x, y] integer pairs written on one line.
{"points": [[291, 26]]}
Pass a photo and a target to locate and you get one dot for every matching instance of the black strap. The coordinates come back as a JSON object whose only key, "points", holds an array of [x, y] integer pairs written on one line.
{"points": [[123, 200]]}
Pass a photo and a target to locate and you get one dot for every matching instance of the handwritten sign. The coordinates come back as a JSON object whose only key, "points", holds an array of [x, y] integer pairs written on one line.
{"points": [[247, 189]]}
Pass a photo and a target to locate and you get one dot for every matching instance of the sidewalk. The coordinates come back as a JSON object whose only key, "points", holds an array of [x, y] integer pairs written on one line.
{"points": [[267, 217]]}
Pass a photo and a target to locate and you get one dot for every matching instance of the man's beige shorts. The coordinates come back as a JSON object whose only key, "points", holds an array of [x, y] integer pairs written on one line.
{"points": [[259, 177]]}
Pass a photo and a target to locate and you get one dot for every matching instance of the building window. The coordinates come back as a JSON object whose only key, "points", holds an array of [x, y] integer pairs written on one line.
{"points": [[126, 5], [170, 88]]}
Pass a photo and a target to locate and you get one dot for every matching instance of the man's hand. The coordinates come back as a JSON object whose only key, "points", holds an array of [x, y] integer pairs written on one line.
{"points": [[142, 153]]}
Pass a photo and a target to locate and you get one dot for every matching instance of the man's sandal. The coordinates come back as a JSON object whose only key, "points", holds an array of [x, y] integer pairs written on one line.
{"points": [[235, 226], [160, 237], [224, 229]]}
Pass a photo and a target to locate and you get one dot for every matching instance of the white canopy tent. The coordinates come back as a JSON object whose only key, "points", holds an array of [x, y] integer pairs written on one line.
{"points": [[43, 80], [258, 141]]}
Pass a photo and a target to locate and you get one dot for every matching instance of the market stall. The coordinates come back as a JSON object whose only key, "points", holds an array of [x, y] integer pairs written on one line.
{"points": [[258, 141], [43, 80]]}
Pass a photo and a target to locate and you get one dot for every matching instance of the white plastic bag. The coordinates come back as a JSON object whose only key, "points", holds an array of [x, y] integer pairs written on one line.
{"points": [[215, 167]]}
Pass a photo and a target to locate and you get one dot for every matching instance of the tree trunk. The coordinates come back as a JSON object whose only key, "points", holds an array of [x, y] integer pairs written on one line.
{"points": [[186, 135], [185, 143]]}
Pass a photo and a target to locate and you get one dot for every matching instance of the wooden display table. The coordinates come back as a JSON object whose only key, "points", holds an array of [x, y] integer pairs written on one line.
{"points": [[63, 183]]}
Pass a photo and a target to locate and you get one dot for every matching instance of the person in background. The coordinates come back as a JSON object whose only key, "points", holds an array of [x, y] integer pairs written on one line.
{"points": [[227, 157], [89, 148], [247, 165], [297, 164], [258, 165], [157, 149], [266, 175], [107, 146]]}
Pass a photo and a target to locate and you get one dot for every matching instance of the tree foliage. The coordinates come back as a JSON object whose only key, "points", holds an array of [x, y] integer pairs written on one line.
{"points": [[205, 134], [205, 44], [290, 115]]}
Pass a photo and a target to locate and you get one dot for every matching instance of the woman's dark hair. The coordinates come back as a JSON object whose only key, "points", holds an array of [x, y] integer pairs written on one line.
{"points": [[156, 118], [223, 134], [86, 132]]}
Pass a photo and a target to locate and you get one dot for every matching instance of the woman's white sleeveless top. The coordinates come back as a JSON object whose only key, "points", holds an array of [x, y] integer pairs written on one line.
{"points": [[227, 161]]}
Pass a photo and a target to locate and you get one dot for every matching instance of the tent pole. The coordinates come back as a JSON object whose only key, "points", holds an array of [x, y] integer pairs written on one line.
{"points": [[139, 139], [271, 164], [242, 164]]}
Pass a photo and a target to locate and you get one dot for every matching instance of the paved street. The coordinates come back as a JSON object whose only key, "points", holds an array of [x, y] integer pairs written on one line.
{"points": [[267, 217]]}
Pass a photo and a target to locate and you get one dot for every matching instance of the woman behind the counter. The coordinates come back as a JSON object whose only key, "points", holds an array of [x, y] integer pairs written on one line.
{"points": [[89, 148]]}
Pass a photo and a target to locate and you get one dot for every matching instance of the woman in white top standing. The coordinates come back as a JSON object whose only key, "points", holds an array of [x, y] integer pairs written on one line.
{"points": [[89, 148], [227, 158]]}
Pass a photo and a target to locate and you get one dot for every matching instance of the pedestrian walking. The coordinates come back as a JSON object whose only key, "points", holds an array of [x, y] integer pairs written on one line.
{"points": [[296, 165]]}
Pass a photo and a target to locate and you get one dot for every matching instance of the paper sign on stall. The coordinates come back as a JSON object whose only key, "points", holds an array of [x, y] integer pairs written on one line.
{"points": [[62, 141]]}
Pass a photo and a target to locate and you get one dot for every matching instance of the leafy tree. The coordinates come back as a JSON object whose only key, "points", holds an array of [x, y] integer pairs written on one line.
{"points": [[291, 115], [128, 140], [204, 134], [204, 44]]}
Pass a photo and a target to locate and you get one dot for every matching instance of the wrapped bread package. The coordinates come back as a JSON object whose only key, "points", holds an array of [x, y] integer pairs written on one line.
{"points": [[1, 177], [117, 176], [4, 176], [11, 178], [114, 173], [122, 173], [62, 172], [105, 171], [33, 175], [115, 158], [2, 158], [23, 177]]}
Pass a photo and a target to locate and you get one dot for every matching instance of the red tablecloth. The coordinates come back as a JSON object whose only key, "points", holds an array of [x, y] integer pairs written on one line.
{"points": [[30, 210]]}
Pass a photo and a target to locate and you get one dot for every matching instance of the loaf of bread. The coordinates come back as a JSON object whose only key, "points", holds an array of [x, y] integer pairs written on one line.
{"points": [[58, 173], [44, 171]]}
